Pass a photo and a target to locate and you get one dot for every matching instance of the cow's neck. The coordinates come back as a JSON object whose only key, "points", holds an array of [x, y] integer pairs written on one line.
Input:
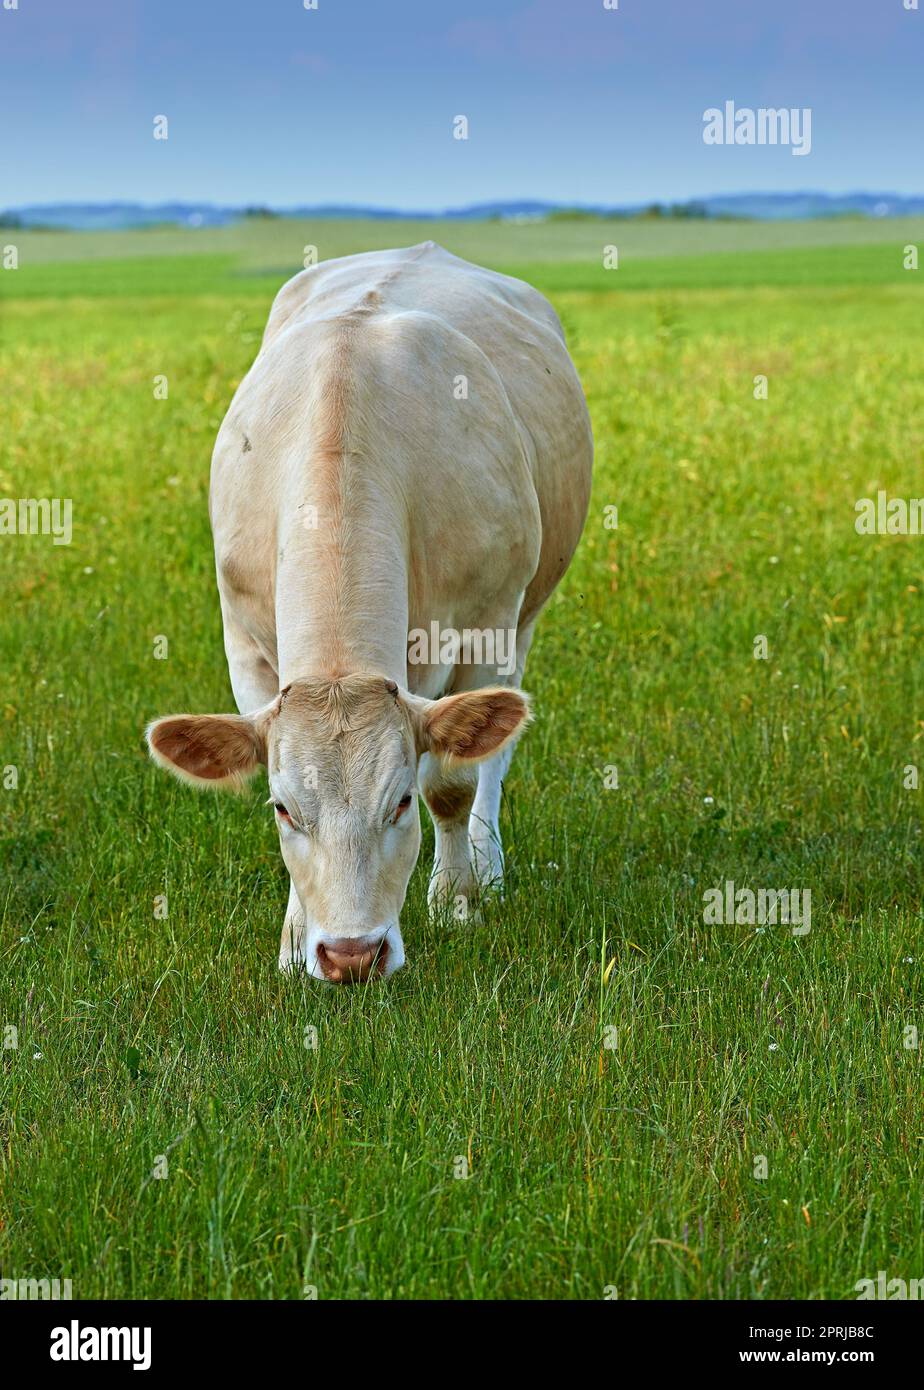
{"points": [[342, 585]]}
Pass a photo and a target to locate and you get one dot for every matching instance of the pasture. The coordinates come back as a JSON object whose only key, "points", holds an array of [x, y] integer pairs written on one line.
{"points": [[575, 1093]]}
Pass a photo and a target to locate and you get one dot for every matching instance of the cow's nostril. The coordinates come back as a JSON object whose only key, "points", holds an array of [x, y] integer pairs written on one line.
{"points": [[351, 960]]}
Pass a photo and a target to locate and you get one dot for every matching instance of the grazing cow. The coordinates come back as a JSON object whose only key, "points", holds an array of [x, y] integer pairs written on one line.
{"points": [[397, 488]]}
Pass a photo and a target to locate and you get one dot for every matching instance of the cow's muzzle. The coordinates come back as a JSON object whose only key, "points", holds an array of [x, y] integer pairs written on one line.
{"points": [[353, 959]]}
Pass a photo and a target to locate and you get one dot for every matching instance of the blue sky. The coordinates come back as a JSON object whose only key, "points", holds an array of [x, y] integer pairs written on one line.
{"points": [[353, 102]]}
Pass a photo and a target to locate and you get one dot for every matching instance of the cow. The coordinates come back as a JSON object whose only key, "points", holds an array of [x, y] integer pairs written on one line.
{"points": [[410, 453]]}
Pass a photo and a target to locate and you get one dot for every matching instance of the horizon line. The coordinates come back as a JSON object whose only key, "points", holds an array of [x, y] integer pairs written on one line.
{"points": [[554, 203]]}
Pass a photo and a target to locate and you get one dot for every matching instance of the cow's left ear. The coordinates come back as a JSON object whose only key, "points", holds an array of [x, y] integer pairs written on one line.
{"points": [[210, 750], [473, 725]]}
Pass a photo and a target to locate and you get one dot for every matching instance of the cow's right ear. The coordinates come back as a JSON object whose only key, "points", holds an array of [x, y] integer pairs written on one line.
{"points": [[210, 750]]}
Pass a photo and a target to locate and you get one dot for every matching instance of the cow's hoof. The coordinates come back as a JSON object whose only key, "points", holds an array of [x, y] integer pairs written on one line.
{"points": [[488, 864], [454, 899]]}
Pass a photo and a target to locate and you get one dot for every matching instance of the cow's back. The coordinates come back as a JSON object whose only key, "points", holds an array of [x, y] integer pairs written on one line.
{"points": [[468, 297], [440, 351]]}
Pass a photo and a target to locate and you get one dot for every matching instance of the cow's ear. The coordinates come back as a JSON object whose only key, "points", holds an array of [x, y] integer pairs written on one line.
{"points": [[473, 725], [209, 750]]}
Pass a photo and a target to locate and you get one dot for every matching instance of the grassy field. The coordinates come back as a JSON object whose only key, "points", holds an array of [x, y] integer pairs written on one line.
{"points": [[610, 1068]]}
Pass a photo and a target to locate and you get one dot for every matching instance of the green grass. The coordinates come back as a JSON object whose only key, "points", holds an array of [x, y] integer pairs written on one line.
{"points": [[596, 1157], [559, 256], [267, 243]]}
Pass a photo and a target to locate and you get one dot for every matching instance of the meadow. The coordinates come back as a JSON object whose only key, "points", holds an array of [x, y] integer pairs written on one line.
{"points": [[592, 1089]]}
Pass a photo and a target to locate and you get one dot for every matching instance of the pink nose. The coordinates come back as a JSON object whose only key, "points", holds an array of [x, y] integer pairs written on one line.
{"points": [[352, 959]]}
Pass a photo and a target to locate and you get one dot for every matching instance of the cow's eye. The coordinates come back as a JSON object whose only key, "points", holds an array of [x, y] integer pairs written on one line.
{"points": [[281, 810], [399, 811]]}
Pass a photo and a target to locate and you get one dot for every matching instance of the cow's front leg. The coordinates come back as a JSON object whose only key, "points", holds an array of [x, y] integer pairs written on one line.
{"points": [[484, 825], [449, 794], [291, 946], [253, 679]]}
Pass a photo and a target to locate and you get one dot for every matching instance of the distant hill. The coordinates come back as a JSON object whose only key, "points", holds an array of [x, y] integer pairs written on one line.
{"points": [[761, 206]]}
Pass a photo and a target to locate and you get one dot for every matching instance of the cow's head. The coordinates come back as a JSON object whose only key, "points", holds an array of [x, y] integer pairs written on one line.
{"points": [[341, 757]]}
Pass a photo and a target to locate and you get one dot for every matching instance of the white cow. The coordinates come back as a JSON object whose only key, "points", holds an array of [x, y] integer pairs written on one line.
{"points": [[410, 453]]}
